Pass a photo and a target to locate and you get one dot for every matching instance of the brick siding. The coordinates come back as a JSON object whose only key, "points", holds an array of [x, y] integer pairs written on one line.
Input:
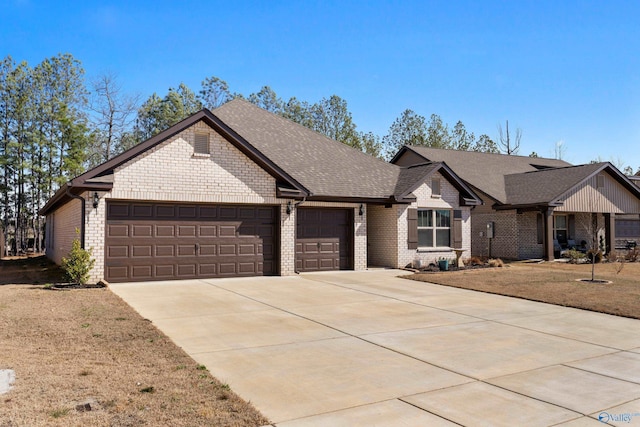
{"points": [[388, 228], [172, 172], [61, 227]]}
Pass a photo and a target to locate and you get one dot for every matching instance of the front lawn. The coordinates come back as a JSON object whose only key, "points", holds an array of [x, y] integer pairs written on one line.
{"points": [[83, 357], [554, 283]]}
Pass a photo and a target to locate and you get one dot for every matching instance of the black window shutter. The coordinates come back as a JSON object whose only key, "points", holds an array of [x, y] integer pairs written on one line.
{"points": [[572, 226], [457, 234], [412, 225], [540, 226]]}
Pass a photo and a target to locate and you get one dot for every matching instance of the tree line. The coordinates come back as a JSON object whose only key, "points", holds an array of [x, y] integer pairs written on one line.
{"points": [[54, 125]]}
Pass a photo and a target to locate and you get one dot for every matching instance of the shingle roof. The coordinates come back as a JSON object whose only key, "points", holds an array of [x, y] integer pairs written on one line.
{"points": [[486, 171], [546, 186], [411, 175], [323, 166]]}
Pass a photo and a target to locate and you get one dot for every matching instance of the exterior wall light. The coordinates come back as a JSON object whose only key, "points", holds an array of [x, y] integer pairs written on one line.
{"points": [[96, 199], [361, 210], [289, 207]]}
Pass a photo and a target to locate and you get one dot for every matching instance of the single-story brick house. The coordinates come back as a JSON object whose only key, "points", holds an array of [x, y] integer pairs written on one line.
{"points": [[535, 207], [240, 192]]}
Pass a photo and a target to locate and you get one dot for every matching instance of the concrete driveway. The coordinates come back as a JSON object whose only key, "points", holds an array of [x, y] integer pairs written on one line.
{"points": [[368, 348]]}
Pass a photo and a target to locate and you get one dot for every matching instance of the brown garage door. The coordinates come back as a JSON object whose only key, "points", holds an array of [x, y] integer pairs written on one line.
{"points": [[160, 241], [323, 240]]}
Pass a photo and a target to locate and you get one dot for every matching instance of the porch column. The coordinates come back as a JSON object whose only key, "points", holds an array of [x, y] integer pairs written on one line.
{"points": [[548, 234], [609, 232]]}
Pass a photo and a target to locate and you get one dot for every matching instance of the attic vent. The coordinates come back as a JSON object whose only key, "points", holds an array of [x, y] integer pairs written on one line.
{"points": [[201, 145], [435, 187], [600, 181]]}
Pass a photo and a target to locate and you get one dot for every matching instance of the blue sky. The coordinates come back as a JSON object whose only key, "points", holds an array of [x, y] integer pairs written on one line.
{"points": [[563, 71]]}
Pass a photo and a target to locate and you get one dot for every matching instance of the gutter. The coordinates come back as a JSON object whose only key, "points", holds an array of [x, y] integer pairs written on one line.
{"points": [[82, 209]]}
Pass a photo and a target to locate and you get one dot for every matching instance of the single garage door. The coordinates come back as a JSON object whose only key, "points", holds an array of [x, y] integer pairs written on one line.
{"points": [[161, 241], [324, 239]]}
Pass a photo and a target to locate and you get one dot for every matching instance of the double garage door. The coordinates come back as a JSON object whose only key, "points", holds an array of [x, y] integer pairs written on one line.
{"points": [[159, 241], [162, 241]]}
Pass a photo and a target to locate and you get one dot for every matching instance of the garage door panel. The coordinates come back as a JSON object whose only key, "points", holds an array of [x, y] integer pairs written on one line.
{"points": [[154, 241], [187, 212], [164, 271], [227, 230], [117, 272], [246, 249], [228, 212], [247, 213], [226, 249], [247, 268], [165, 231], [165, 211], [247, 230], [208, 231], [118, 251], [206, 250], [186, 250], [328, 247], [227, 269], [165, 250], [141, 272], [118, 210], [141, 251], [186, 270], [208, 212], [186, 231], [117, 230], [141, 230], [142, 211]]}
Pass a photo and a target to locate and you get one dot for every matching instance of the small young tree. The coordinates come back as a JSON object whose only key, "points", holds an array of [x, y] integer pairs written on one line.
{"points": [[79, 263], [595, 249]]}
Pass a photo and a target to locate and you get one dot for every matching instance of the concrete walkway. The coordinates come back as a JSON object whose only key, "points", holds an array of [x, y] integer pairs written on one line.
{"points": [[368, 348]]}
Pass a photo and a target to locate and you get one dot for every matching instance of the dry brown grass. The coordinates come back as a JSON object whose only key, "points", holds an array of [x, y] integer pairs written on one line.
{"points": [[81, 346], [554, 283]]}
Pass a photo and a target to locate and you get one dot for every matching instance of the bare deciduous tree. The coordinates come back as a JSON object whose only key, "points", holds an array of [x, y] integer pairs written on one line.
{"points": [[509, 145], [113, 115]]}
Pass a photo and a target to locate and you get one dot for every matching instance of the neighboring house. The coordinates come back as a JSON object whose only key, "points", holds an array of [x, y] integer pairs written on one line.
{"points": [[628, 226], [535, 207], [241, 192]]}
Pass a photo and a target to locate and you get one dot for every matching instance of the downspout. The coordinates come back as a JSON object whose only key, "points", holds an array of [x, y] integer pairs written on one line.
{"points": [[82, 209]]}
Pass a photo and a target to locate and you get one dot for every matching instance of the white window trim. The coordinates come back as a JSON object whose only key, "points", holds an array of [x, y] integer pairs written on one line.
{"points": [[434, 228], [555, 226]]}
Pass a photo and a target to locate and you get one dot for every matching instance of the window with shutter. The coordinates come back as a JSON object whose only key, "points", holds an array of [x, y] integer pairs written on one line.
{"points": [[201, 145], [434, 228]]}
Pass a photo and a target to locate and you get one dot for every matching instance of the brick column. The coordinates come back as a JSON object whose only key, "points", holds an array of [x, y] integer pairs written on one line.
{"points": [[548, 234], [609, 232]]}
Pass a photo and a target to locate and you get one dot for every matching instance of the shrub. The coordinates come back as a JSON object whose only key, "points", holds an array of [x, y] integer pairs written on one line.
{"points": [[574, 255], [79, 263], [612, 256], [475, 261], [633, 255], [594, 254], [496, 263]]}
